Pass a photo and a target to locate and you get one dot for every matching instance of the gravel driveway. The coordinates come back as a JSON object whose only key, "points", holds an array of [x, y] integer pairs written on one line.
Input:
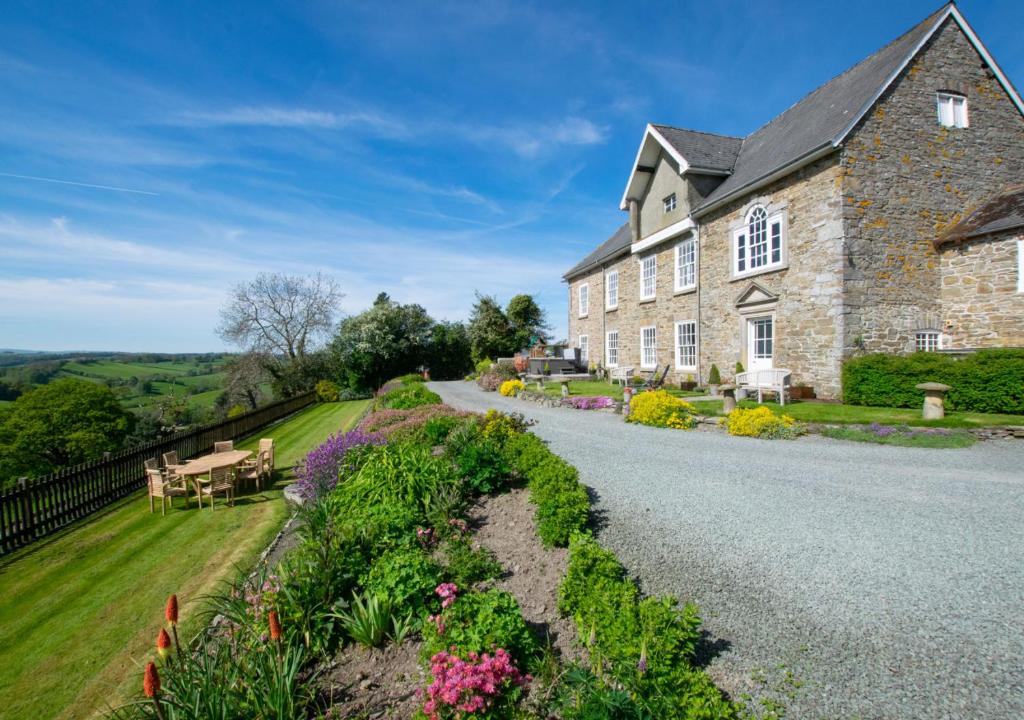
{"points": [[845, 580]]}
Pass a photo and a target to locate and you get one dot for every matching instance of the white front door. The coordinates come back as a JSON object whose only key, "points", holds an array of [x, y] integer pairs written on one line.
{"points": [[760, 343]]}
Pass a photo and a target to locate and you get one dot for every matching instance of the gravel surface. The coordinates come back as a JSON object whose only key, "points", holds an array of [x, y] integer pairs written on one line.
{"points": [[844, 580]]}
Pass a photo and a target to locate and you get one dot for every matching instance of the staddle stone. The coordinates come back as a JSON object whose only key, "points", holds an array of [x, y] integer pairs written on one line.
{"points": [[934, 408]]}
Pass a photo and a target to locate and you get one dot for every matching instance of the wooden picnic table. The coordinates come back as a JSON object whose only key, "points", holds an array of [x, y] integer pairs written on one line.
{"points": [[197, 467]]}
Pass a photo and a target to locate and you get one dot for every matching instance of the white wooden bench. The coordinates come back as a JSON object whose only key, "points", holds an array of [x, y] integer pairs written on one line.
{"points": [[776, 380], [620, 374]]}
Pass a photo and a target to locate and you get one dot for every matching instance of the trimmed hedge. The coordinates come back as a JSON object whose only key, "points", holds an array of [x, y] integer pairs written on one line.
{"points": [[990, 381]]}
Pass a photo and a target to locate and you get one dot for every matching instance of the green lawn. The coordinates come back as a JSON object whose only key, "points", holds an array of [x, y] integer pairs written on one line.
{"points": [[81, 610], [592, 388], [818, 412], [921, 438]]}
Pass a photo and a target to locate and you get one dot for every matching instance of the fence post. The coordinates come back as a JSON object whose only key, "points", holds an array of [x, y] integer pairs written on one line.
{"points": [[27, 518]]}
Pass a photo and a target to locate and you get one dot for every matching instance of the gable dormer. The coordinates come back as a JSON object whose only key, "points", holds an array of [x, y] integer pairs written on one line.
{"points": [[673, 172]]}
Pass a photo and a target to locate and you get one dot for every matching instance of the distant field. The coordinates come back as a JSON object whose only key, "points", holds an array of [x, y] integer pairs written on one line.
{"points": [[200, 382]]}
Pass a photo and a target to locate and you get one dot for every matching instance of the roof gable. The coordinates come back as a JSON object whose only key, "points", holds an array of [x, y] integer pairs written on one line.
{"points": [[820, 122], [692, 151]]}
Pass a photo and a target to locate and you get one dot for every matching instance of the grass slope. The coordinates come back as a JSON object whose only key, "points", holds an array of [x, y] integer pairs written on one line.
{"points": [[860, 414], [593, 388], [81, 611]]}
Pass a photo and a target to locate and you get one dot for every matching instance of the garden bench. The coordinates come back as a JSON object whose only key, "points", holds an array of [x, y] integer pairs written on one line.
{"points": [[776, 380], [620, 374]]}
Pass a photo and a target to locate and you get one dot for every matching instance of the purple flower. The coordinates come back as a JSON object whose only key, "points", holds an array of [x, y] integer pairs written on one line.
{"points": [[318, 472], [591, 403], [881, 430]]}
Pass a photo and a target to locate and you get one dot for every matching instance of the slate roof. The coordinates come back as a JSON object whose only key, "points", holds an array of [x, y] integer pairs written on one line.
{"points": [[705, 151], [612, 247], [822, 117], [1001, 213]]}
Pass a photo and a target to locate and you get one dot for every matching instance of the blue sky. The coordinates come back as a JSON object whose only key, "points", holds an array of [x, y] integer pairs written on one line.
{"points": [[154, 154]]}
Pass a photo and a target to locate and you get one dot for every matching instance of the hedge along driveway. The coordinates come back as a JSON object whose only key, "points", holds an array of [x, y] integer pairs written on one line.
{"points": [[80, 611]]}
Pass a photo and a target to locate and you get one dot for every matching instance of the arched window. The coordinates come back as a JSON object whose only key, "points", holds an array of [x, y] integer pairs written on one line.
{"points": [[759, 244]]}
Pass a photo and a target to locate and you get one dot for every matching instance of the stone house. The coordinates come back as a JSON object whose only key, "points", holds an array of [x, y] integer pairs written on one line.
{"points": [[876, 214]]}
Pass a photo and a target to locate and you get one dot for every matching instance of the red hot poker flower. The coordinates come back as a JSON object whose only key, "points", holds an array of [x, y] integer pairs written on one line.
{"points": [[172, 610], [163, 643], [275, 625], [151, 681]]}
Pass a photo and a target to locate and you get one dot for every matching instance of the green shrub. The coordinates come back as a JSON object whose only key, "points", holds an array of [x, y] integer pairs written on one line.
{"points": [[406, 577], [410, 379], [989, 381], [483, 366], [647, 643], [714, 376], [466, 565], [480, 622], [739, 367], [327, 391], [408, 396], [477, 458], [436, 430]]}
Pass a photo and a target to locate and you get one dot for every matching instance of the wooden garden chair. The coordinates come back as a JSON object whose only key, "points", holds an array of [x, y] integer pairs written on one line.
{"points": [[161, 487], [221, 480], [171, 466], [654, 382], [255, 470], [223, 446]]}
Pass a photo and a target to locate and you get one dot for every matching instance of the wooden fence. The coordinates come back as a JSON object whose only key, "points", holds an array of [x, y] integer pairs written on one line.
{"points": [[39, 507]]}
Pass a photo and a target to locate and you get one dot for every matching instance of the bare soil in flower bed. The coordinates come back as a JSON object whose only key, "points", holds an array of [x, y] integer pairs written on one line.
{"points": [[505, 526], [382, 682], [375, 682]]}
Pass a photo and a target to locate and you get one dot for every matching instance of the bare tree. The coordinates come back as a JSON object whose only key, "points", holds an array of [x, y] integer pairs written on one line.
{"points": [[243, 375], [281, 314]]}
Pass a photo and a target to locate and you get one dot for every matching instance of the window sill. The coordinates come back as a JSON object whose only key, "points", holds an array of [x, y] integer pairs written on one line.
{"points": [[685, 291], [759, 271], [648, 367], [644, 301], [583, 317], [611, 309], [692, 369]]}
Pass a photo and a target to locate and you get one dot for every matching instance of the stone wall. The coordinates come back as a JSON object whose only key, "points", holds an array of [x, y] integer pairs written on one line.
{"points": [[808, 310], [591, 325], [982, 303], [905, 179]]}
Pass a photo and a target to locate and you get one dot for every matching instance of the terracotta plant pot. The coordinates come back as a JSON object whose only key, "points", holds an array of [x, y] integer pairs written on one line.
{"points": [[802, 392]]}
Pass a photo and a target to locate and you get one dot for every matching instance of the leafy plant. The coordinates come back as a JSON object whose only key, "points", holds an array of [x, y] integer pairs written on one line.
{"points": [[327, 391], [477, 458], [399, 473], [739, 367], [660, 409], [581, 695], [406, 397], [480, 622], [406, 577], [367, 620], [761, 422], [466, 564]]}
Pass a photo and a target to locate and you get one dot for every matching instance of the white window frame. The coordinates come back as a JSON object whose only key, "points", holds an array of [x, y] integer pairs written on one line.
{"points": [[1020, 266], [669, 203], [653, 259], [583, 299], [951, 109], [677, 332], [611, 302], [744, 249], [653, 349], [927, 340], [609, 350], [583, 343], [691, 244]]}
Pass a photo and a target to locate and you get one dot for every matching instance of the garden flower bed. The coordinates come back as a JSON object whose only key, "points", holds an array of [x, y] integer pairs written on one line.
{"points": [[426, 581]]}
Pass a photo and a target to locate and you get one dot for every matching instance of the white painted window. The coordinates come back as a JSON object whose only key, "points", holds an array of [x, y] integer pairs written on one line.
{"points": [[928, 340], [648, 347], [686, 345], [584, 346], [686, 264], [1020, 266], [648, 277], [760, 244], [584, 299], [669, 203], [952, 110], [611, 342], [611, 290]]}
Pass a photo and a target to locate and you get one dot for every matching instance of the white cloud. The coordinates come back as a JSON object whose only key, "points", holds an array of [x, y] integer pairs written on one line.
{"points": [[285, 117]]}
